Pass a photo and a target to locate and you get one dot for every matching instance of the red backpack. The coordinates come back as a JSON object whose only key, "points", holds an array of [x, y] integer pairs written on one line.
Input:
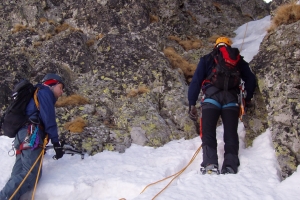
{"points": [[225, 74]]}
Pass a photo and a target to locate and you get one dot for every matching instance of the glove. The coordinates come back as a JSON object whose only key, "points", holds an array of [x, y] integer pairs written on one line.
{"points": [[58, 150], [193, 113]]}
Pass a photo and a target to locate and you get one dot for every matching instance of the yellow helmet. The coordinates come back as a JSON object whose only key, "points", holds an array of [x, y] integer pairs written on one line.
{"points": [[225, 40]]}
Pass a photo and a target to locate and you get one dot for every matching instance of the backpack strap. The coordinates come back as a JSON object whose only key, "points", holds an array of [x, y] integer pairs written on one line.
{"points": [[213, 54], [207, 80]]}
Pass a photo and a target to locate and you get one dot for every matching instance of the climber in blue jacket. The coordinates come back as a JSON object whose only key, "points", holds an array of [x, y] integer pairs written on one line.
{"points": [[29, 139]]}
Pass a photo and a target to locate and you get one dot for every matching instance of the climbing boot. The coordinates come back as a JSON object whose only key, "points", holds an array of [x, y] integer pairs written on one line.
{"points": [[227, 170], [210, 169]]}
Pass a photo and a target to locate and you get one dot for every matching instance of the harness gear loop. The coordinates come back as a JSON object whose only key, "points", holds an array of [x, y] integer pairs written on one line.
{"points": [[175, 175], [12, 150], [40, 156], [242, 97]]}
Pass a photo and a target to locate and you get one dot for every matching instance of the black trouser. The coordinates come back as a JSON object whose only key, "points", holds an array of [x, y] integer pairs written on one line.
{"points": [[209, 120]]}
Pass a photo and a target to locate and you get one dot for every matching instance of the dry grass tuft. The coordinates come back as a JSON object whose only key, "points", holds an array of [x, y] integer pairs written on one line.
{"points": [[177, 61], [248, 15], [285, 14], [72, 100], [192, 16], [90, 42], [30, 29], [36, 44], [217, 6], [62, 27], [175, 38], [47, 36], [52, 22], [109, 122], [190, 44], [100, 36], [139, 90], [20, 27], [153, 18], [42, 20], [76, 29], [76, 126], [187, 44]]}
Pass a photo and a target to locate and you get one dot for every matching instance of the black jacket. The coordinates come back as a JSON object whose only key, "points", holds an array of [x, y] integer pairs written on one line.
{"points": [[204, 69]]}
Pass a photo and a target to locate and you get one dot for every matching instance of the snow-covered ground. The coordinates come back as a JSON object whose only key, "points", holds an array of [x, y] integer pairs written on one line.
{"points": [[112, 176]]}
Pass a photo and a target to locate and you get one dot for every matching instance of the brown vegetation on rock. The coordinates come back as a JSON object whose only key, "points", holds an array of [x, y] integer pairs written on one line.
{"points": [[62, 27], [72, 100], [140, 90], [153, 18], [187, 44], [177, 61], [285, 14], [76, 126], [20, 27]]}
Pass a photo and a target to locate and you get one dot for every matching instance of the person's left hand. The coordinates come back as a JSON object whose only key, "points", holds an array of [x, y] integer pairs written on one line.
{"points": [[58, 150]]}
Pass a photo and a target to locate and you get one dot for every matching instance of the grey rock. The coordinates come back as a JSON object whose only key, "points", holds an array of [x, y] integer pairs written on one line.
{"points": [[277, 67], [138, 136]]}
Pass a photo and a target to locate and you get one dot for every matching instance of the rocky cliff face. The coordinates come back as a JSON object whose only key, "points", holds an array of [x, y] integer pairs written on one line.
{"points": [[277, 66], [114, 53]]}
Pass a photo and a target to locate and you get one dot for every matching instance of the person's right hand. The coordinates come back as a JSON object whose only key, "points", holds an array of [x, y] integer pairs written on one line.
{"points": [[58, 150], [248, 105], [193, 113]]}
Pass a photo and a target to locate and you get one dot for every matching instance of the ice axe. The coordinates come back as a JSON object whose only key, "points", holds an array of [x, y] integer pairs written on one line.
{"points": [[67, 149]]}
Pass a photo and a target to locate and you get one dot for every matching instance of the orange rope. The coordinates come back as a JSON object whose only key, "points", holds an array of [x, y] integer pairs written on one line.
{"points": [[40, 167], [40, 156], [36, 101], [25, 177], [176, 174]]}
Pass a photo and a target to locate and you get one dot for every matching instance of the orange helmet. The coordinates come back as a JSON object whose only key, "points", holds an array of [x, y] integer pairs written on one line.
{"points": [[225, 40]]}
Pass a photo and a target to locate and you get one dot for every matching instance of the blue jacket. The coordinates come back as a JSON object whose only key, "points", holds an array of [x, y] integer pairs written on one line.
{"points": [[46, 114], [204, 69]]}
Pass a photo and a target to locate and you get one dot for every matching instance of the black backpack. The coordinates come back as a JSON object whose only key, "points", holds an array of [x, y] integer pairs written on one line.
{"points": [[225, 74], [15, 115]]}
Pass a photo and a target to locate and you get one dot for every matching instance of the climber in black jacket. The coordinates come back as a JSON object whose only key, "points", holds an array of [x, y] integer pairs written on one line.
{"points": [[219, 102]]}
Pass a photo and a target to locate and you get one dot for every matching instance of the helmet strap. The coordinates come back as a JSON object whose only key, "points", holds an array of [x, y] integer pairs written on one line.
{"points": [[221, 44]]}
